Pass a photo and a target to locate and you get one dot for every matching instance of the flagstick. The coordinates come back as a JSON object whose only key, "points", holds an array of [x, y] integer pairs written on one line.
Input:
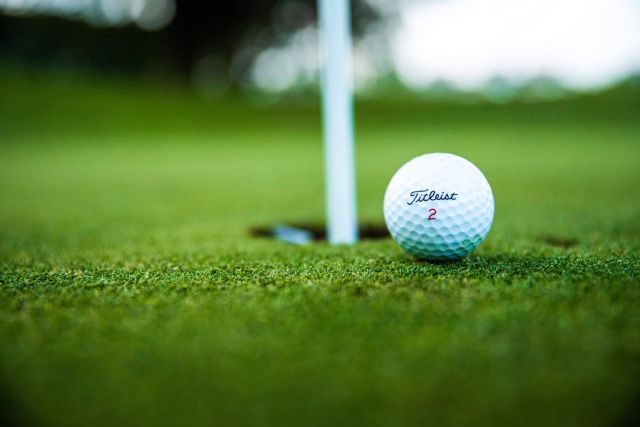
{"points": [[337, 99]]}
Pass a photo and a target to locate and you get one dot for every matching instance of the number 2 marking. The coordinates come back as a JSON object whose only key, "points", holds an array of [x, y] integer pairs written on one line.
{"points": [[432, 214]]}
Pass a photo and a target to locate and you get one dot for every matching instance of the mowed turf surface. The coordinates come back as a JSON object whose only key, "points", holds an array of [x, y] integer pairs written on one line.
{"points": [[131, 290]]}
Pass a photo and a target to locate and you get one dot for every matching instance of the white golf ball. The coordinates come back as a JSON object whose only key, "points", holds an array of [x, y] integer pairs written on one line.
{"points": [[438, 207]]}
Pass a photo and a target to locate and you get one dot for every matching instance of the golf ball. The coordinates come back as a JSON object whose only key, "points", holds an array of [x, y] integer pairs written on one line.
{"points": [[438, 207]]}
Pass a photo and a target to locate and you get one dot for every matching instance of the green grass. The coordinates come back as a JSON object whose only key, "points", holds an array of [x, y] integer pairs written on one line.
{"points": [[132, 292]]}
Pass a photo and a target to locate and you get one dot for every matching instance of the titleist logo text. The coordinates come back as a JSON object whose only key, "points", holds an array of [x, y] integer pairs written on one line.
{"points": [[427, 195]]}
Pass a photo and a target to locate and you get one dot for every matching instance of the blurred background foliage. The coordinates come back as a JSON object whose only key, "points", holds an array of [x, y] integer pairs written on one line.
{"points": [[211, 44], [501, 50]]}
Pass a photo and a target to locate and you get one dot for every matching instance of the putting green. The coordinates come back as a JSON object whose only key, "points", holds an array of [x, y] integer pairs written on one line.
{"points": [[131, 290]]}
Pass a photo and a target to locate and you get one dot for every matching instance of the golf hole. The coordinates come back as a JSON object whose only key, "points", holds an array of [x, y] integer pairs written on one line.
{"points": [[302, 233]]}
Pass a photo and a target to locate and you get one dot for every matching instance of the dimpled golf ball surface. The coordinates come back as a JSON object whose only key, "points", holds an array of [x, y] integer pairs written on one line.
{"points": [[438, 207]]}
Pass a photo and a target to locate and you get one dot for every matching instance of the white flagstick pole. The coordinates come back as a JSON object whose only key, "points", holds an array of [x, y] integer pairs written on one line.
{"points": [[337, 99]]}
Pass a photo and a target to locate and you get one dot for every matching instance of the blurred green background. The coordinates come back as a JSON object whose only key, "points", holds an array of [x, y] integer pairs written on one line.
{"points": [[133, 292]]}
